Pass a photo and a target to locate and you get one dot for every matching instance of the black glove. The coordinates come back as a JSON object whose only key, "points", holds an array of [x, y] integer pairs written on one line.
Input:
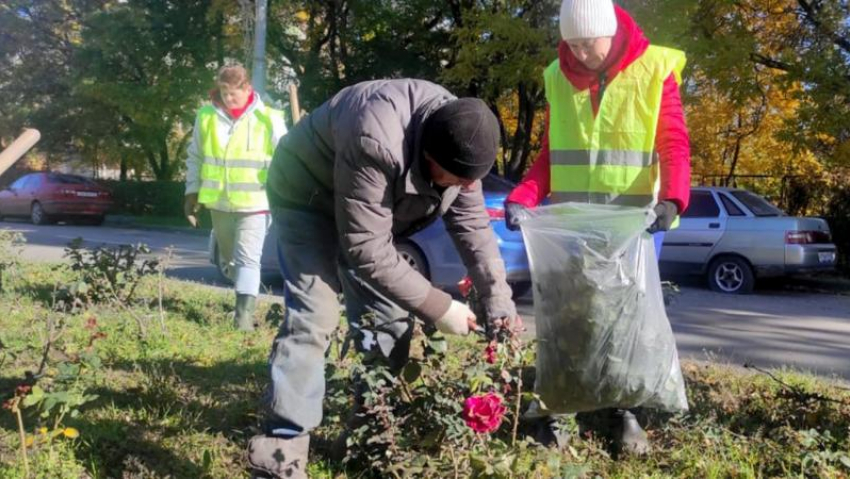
{"points": [[665, 212], [512, 213]]}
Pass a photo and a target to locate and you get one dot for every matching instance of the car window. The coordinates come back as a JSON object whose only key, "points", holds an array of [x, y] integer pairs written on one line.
{"points": [[758, 205], [70, 180], [33, 182], [731, 208], [19, 183], [702, 205], [29, 180]]}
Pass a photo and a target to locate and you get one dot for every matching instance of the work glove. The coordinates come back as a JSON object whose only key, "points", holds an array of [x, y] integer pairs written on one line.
{"points": [[512, 213], [665, 214], [190, 209], [459, 319]]}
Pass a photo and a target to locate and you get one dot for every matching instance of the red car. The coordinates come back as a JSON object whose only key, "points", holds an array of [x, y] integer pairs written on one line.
{"points": [[48, 197]]}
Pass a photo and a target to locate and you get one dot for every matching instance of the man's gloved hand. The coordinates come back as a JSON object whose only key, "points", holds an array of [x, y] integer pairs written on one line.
{"points": [[512, 213], [502, 329], [665, 212], [459, 319], [190, 209]]}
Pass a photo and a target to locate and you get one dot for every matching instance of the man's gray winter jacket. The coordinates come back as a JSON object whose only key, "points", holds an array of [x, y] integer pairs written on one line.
{"points": [[357, 158]]}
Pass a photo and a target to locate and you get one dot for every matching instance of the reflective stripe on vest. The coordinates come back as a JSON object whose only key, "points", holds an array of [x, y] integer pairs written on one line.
{"points": [[609, 158], [236, 172]]}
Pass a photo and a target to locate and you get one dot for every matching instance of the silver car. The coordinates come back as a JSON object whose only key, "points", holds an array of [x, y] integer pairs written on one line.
{"points": [[734, 236]]}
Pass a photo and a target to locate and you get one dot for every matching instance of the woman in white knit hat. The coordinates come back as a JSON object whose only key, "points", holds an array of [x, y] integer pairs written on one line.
{"points": [[616, 134]]}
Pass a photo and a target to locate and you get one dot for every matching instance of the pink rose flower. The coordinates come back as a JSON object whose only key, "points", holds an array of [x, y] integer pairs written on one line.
{"points": [[484, 413]]}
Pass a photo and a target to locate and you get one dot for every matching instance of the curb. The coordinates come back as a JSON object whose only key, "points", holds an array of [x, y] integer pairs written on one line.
{"points": [[127, 222]]}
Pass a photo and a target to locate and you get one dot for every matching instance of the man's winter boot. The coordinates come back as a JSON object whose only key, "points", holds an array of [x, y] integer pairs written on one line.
{"points": [[244, 316], [628, 436], [545, 432], [278, 458]]}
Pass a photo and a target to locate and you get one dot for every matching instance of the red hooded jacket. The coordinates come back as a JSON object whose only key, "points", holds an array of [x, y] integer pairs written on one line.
{"points": [[671, 142]]}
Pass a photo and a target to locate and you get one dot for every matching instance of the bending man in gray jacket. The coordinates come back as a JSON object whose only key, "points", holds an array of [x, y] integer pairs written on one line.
{"points": [[378, 161]]}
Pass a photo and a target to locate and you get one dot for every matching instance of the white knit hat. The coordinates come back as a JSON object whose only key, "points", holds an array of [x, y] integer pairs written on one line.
{"points": [[587, 19]]}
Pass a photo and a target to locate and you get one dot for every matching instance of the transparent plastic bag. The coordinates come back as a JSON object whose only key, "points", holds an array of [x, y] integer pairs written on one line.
{"points": [[604, 339]]}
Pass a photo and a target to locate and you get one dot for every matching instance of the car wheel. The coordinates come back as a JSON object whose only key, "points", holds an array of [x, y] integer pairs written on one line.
{"points": [[520, 288], [731, 275], [37, 214], [414, 258]]}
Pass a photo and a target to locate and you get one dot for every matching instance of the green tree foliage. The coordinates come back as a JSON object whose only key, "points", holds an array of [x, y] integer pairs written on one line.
{"points": [[500, 51], [113, 81], [493, 49], [147, 62], [744, 49], [332, 44], [37, 44], [120, 80]]}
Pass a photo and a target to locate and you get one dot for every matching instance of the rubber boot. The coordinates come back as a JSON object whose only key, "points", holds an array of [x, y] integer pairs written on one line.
{"points": [[628, 436], [244, 315], [278, 458]]}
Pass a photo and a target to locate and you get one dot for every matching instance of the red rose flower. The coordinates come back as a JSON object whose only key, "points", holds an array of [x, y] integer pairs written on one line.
{"points": [[484, 413], [490, 353], [465, 286]]}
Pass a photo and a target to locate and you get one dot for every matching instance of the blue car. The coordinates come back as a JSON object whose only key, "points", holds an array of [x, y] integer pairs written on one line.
{"points": [[432, 252]]}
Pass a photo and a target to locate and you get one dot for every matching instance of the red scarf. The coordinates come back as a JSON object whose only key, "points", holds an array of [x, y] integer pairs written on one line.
{"points": [[234, 113]]}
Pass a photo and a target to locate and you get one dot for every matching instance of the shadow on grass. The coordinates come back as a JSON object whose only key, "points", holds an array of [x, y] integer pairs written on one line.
{"points": [[141, 431], [759, 408], [121, 449], [7, 391], [177, 400], [222, 398], [202, 313], [41, 293]]}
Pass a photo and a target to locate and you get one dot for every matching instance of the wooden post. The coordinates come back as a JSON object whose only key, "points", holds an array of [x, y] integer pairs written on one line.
{"points": [[18, 148], [293, 102]]}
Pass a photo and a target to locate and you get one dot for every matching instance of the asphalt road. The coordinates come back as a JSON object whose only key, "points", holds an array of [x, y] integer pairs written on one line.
{"points": [[776, 326]]}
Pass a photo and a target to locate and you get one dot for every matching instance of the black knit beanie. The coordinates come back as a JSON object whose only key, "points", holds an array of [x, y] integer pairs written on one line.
{"points": [[462, 136]]}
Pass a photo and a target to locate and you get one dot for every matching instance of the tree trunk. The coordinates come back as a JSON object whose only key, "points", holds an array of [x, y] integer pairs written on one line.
{"points": [[521, 148], [333, 32], [166, 165], [123, 175], [151, 157], [160, 161], [219, 39], [503, 138]]}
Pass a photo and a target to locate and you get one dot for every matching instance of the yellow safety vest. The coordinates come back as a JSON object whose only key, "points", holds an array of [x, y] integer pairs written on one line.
{"points": [[238, 170], [609, 158]]}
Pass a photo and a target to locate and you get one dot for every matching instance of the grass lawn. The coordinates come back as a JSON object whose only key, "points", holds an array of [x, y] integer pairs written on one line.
{"points": [[178, 395]]}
